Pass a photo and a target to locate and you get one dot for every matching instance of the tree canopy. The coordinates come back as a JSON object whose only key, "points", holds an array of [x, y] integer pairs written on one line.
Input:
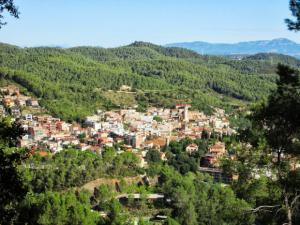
{"points": [[294, 25], [10, 7]]}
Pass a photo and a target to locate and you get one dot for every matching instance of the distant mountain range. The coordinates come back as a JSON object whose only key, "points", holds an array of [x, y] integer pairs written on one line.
{"points": [[280, 45]]}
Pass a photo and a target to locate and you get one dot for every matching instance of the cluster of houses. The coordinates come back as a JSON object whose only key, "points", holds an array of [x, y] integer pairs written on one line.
{"points": [[13, 101], [128, 129]]}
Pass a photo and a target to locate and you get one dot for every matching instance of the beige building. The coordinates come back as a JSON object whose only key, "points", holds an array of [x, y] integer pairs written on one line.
{"points": [[191, 148]]}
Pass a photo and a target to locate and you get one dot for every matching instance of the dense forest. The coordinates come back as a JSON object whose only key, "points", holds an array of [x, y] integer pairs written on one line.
{"points": [[72, 83]]}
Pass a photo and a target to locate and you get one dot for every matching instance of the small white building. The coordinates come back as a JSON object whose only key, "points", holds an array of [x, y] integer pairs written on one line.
{"points": [[191, 148]]}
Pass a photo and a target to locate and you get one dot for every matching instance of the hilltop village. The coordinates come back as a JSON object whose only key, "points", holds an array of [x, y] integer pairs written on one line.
{"points": [[129, 129]]}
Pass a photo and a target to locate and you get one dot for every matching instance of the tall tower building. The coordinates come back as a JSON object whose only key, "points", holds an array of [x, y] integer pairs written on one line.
{"points": [[184, 111]]}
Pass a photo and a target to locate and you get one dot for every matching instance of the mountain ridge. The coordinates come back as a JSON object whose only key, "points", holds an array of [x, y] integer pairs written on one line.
{"points": [[279, 45]]}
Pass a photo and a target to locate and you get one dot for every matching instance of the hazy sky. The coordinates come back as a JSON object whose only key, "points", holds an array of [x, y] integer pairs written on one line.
{"points": [[111, 23]]}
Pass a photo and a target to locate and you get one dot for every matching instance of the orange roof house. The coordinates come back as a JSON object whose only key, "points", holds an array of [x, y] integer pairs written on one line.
{"points": [[43, 153], [191, 148], [214, 153], [8, 101], [157, 142], [218, 149]]}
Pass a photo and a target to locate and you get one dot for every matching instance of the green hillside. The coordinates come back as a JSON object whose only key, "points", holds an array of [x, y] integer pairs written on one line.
{"points": [[72, 83]]}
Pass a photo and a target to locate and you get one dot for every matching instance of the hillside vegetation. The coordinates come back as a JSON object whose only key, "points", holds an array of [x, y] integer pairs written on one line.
{"points": [[72, 83]]}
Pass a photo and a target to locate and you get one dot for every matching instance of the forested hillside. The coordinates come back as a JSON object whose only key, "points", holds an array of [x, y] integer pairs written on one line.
{"points": [[72, 83]]}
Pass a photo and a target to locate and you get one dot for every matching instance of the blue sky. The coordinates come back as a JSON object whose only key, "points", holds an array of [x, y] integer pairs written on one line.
{"points": [[110, 23]]}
